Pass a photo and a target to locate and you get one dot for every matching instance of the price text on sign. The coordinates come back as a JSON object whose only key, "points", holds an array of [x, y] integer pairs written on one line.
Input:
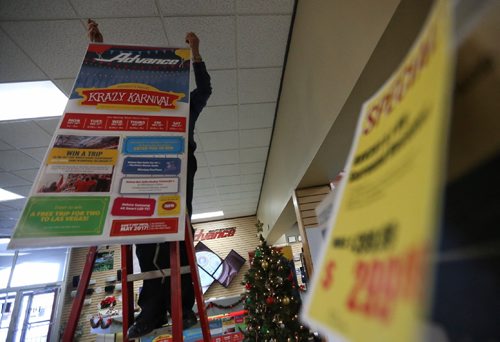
{"points": [[379, 283]]}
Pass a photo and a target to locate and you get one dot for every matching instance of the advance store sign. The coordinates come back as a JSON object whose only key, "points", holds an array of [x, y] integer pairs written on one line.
{"points": [[115, 171]]}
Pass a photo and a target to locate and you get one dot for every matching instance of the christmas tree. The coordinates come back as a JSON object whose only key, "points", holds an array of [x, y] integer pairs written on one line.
{"points": [[272, 298]]}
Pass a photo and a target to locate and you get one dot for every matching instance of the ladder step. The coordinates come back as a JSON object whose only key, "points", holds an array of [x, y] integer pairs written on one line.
{"points": [[155, 274]]}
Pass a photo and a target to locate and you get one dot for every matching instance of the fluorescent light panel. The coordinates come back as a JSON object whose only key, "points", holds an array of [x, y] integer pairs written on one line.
{"points": [[27, 100], [8, 196], [207, 215]]}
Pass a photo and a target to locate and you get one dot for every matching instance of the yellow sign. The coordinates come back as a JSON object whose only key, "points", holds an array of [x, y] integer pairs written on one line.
{"points": [[169, 205], [82, 156], [371, 283]]}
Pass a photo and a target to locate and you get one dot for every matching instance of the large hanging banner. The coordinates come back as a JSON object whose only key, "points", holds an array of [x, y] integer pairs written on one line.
{"points": [[373, 279], [115, 172]]}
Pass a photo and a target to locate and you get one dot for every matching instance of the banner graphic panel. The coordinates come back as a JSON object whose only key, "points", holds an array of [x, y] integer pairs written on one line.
{"points": [[119, 149]]}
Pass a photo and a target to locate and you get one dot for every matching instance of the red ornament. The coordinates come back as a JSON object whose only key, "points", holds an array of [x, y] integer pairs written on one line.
{"points": [[269, 300], [290, 277], [248, 286]]}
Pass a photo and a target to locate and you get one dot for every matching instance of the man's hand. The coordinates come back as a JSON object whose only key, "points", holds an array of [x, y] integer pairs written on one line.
{"points": [[194, 43], [93, 32]]}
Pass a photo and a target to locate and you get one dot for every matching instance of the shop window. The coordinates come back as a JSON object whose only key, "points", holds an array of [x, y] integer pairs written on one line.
{"points": [[39, 267]]}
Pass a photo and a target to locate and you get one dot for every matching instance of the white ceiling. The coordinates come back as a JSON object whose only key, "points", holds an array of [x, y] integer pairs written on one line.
{"points": [[243, 43]]}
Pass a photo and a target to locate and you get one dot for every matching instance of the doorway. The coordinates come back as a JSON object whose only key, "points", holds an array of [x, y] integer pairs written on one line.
{"points": [[27, 315]]}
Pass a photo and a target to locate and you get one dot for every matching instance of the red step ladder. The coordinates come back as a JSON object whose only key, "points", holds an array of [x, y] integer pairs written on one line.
{"points": [[128, 289]]}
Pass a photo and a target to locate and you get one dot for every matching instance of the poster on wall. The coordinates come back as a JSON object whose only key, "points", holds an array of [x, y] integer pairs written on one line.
{"points": [[115, 171], [373, 277]]}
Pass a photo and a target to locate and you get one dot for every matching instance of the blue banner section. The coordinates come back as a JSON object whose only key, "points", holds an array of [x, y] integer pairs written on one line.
{"points": [[151, 166], [153, 145]]}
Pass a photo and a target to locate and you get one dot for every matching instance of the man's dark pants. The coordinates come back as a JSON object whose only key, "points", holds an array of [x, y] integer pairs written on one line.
{"points": [[154, 298]]}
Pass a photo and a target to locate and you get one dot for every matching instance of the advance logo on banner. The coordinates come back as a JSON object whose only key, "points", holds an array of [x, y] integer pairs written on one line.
{"points": [[199, 234]]}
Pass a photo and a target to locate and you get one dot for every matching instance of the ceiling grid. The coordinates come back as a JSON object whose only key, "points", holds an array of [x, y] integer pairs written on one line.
{"points": [[242, 42]]}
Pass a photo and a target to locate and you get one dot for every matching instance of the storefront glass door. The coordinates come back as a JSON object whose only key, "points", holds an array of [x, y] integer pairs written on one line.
{"points": [[27, 315]]}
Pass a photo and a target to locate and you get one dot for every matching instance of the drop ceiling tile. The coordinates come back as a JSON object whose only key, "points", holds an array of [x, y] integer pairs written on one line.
{"points": [[224, 90], [40, 9], [16, 160], [250, 168], [232, 207], [257, 115], [269, 33], [56, 46], [16, 66], [229, 189], [250, 194], [219, 118], [204, 183], [4, 207], [38, 152], [8, 179], [225, 170], [239, 212], [228, 197], [195, 7], [217, 38], [203, 199], [23, 134], [147, 31], [49, 125], [205, 207], [205, 192], [255, 137], [65, 85], [249, 199], [259, 85], [202, 172], [225, 202], [20, 190], [29, 175], [222, 157], [12, 215], [255, 187], [264, 6], [221, 181], [201, 160], [219, 141], [4, 146], [5, 230], [15, 204], [114, 8], [249, 155], [252, 178]]}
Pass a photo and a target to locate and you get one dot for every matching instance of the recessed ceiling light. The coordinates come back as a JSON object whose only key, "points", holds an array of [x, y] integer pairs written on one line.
{"points": [[8, 196], [27, 100], [207, 215]]}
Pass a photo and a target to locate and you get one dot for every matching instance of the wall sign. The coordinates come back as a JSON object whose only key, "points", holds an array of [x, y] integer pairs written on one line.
{"points": [[200, 234]]}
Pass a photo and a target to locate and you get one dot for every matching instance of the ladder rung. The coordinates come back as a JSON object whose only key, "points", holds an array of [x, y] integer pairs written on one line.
{"points": [[155, 274]]}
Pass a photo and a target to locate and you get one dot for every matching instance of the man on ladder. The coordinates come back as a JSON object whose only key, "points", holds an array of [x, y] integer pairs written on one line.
{"points": [[154, 298]]}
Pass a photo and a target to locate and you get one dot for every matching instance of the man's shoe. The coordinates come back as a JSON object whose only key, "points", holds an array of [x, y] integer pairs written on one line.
{"points": [[188, 319], [142, 327]]}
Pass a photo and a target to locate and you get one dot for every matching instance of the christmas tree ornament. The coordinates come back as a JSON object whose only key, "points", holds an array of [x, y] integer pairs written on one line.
{"points": [[269, 300], [285, 300], [264, 264], [248, 286]]}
